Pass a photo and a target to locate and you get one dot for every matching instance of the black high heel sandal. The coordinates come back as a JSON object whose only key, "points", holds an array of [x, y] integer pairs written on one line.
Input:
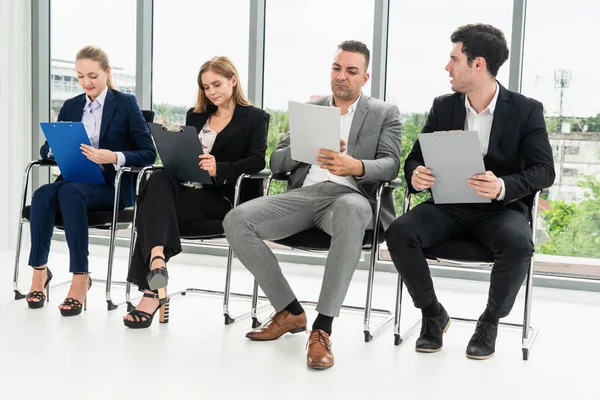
{"points": [[142, 319], [75, 306], [158, 278], [40, 295]]}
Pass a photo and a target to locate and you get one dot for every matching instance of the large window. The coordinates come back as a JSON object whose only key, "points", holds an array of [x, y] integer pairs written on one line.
{"points": [[560, 69], [110, 24], [301, 38], [186, 34]]}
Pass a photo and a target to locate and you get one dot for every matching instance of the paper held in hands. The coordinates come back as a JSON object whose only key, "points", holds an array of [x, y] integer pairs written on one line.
{"points": [[65, 140], [312, 128], [453, 157]]}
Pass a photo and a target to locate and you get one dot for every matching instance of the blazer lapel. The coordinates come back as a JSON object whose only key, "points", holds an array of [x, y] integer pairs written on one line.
{"points": [[460, 114], [359, 117], [107, 112], [237, 121], [77, 111], [500, 115]]}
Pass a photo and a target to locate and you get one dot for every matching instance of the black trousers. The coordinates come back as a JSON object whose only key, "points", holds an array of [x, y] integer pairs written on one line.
{"points": [[163, 205], [505, 232]]}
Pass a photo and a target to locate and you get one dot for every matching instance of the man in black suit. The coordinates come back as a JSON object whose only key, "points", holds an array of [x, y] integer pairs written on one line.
{"points": [[518, 161]]}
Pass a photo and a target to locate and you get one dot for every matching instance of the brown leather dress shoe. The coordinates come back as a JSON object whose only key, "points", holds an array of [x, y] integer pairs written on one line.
{"points": [[279, 324], [319, 355]]}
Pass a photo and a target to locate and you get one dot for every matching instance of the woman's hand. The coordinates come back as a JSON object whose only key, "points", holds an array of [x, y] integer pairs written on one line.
{"points": [[99, 156], [209, 164]]}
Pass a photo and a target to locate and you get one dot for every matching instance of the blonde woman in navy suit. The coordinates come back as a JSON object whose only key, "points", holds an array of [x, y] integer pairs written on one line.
{"points": [[119, 136]]}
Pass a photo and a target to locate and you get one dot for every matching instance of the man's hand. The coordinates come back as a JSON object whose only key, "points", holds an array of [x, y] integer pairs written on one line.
{"points": [[208, 163], [99, 156], [342, 145], [340, 164], [421, 178], [486, 185]]}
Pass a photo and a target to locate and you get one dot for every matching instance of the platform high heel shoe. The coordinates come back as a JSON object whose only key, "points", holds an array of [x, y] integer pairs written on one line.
{"points": [[142, 319], [75, 306], [40, 295]]}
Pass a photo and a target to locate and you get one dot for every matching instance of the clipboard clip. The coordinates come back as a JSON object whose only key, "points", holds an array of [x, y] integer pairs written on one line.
{"points": [[172, 128]]}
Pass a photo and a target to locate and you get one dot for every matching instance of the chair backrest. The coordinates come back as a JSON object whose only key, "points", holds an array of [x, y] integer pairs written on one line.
{"points": [[148, 115]]}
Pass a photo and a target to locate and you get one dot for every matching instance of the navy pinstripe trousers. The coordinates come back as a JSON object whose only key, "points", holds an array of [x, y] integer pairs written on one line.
{"points": [[73, 200]]}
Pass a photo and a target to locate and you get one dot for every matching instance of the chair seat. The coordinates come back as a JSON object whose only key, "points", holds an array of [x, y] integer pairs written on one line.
{"points": [[316, 239], [96, 219], [460, 250], [206, 229]]}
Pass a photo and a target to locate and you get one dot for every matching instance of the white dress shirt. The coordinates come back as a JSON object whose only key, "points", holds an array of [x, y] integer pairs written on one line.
{"points": [[482, 123], [92, 121], [208, 137], [316, 174]]}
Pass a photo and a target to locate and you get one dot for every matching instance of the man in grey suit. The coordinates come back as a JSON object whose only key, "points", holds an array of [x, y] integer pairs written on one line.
{"points": [[336, 196]]}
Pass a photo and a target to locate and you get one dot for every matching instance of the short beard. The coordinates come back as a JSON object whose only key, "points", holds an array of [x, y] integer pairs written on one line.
{"points": [[345, 95]]}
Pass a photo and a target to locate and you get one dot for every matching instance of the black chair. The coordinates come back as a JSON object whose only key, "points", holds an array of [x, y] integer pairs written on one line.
{"points": [[468, 253], [107, 220], [317, 240], [196, 231]]}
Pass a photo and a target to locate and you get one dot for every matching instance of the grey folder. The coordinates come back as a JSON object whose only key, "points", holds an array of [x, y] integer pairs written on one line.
{"points": [[179, 149], [453, 157], [312, 128]]}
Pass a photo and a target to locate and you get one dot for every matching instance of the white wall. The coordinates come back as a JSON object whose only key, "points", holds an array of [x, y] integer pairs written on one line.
{"points": [[15, 111]]}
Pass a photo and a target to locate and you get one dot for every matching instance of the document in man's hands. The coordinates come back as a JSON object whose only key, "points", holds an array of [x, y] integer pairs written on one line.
{"points": [[453, 157], [65, 140], [312, 128]]}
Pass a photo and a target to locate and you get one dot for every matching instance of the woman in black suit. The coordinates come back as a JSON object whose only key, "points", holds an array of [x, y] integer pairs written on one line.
{"points": [[234, 138]]}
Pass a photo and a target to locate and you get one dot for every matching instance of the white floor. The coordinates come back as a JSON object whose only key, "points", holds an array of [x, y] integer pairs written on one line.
{"points": [[93, 356]]}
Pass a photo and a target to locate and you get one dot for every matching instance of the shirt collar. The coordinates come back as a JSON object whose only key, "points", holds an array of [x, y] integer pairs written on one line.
{"points": [[100, 99], [491, 106], [352, 107]]}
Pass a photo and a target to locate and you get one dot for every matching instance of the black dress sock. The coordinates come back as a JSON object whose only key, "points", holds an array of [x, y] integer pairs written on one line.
{"points": [[294, 308], [324, 323]]}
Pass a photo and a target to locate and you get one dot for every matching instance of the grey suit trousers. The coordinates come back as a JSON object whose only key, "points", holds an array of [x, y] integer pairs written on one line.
{"points": [[338, 210]]}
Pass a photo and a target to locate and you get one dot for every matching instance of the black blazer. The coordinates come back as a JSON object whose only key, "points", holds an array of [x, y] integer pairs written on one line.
{"points": [[239, 148], [123, 129], [519, 151]]}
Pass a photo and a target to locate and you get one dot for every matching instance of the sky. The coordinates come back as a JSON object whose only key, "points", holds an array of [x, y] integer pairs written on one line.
{"points": [[301, 37]]}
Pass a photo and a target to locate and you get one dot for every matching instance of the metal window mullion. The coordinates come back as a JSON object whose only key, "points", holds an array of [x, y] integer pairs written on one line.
{"points": [[143, 53], [517, 44], [380, 48], [256, 52]]}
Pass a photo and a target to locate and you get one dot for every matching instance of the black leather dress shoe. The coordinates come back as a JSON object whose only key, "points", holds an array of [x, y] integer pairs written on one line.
{"points": [[432, 331], [483, 342]]}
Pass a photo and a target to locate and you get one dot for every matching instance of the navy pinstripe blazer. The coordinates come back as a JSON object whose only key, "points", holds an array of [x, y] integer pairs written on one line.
{"points": [[123, 129]]}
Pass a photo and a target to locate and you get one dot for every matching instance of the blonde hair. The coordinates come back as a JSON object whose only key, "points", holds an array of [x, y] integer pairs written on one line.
{"points": [[223, 66], [95, 53]]}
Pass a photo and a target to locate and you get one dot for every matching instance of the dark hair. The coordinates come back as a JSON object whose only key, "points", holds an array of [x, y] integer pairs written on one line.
{"points": [[482, 40], [354, 46]]}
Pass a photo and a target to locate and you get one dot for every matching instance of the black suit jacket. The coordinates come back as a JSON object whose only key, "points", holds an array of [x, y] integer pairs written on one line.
{"points": [[239, 148], [519, 151], [123, 129]]}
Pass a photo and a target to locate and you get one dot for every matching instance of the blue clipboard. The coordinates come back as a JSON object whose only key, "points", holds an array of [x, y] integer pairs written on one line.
{"points": [[65, 140]]}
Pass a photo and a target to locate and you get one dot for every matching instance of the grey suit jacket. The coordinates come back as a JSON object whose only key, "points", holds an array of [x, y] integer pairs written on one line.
{"points": [[374, 139]]}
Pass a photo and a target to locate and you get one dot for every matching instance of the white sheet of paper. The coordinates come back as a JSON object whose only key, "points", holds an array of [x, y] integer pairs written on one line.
{"points": [[453, 157], [312, 128]]}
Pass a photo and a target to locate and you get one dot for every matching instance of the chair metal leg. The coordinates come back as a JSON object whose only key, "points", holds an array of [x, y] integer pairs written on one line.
{"points": [[400, 336], [18, 294], [529, 333], [113, 233], [254, 311], [227, 293], [389, 317]]}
